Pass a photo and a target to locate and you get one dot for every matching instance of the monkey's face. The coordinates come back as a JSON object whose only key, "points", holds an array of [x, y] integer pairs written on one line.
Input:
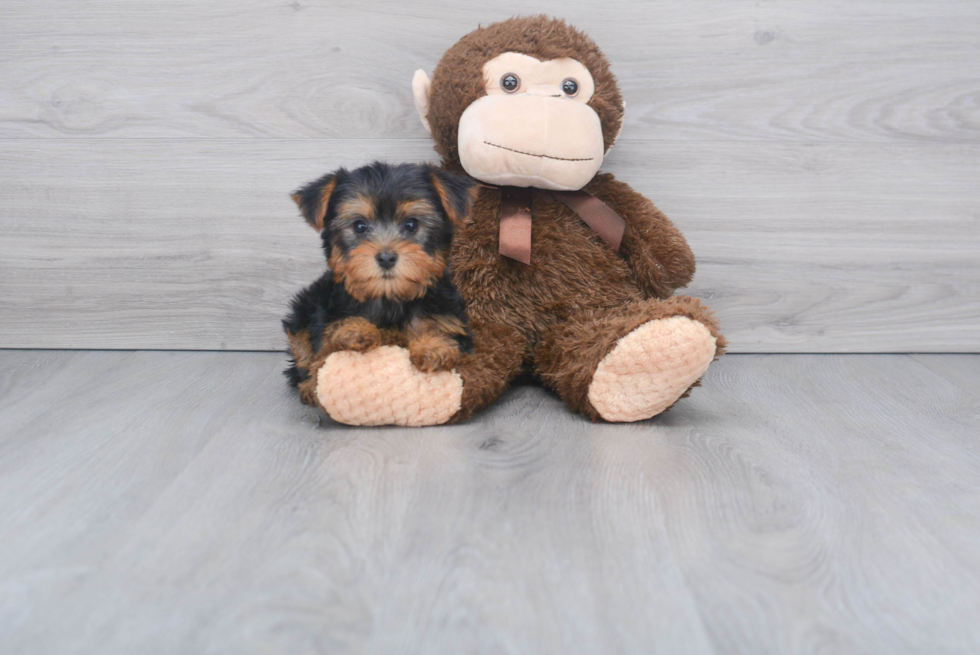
{"points": [[534, 127]]}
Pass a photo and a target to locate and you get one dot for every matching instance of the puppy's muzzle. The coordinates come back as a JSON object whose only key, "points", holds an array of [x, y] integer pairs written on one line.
{"points": [[386, 259]]}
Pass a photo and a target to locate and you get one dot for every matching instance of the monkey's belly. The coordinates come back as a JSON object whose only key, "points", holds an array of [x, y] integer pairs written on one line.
{"points": [[571, 276]]}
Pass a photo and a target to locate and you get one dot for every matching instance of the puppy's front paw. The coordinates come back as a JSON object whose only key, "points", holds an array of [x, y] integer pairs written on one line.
{"points": [[356, 334], [431, 353]]}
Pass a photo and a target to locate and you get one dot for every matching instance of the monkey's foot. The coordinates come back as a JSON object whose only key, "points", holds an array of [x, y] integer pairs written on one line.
{"points": [[650, 368], [381, 387]]}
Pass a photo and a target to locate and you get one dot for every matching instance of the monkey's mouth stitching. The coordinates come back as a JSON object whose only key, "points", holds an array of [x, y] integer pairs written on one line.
{"points": [[531, 154]]}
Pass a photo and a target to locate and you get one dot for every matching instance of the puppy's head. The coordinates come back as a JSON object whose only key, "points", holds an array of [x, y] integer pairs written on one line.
{"points": [[386, 229]]}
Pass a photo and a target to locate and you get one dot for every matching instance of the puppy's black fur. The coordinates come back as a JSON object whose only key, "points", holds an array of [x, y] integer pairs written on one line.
{"points": [[386, 231], [325, 301]]}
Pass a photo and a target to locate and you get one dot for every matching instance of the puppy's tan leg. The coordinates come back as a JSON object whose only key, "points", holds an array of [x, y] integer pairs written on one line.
{"points": [[432, 344], [433, 352], [303, 373], [356, 333]]}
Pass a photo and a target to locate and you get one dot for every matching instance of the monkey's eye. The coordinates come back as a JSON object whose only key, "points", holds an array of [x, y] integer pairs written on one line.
{"points": [[360, 226], [570, 87], [510, 82], [411, 225]]}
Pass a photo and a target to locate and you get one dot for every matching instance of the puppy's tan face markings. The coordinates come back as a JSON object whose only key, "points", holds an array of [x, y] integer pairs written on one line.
{"points": [[415, 219], [368, 232], [356, 207], [364, 280], [414, 208], [411, 219]]}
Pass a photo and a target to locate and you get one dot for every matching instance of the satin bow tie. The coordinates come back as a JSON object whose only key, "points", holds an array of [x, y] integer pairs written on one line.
{"points": [[515, 219]]}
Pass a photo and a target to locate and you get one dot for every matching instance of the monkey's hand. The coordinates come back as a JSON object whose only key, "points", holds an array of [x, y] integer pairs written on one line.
{"points": [[654, 248], [661, 265]]}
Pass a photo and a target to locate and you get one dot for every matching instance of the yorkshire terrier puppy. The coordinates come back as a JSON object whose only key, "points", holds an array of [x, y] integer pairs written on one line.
{"points": [[386, 232]]}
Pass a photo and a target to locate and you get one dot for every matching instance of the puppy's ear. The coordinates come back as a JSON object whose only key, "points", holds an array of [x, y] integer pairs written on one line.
{"points": [[314, 198], [456, 193]]}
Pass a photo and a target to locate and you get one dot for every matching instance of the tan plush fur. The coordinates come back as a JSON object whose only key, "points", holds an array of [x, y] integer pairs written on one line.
{"points": [[650, 367], [424, 399]]}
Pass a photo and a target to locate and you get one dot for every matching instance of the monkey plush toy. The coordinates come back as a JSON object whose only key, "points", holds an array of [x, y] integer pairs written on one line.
{"points": [[567, 273]]}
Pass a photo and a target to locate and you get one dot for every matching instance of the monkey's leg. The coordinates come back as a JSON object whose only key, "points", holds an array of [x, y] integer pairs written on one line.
{"points": [[381, 387], [498, 352], [632, 363]]}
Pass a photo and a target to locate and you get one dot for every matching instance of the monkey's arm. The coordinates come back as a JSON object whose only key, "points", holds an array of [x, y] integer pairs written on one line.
{"points": [[655, 249]]}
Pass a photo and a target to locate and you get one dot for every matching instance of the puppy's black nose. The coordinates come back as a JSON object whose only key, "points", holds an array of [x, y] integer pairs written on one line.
{"points": [[386, 259]]}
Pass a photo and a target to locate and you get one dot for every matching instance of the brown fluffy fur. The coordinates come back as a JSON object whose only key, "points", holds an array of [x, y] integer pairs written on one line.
{"points": [[498, 352], [559, 316], [568, 356], [577, 298]]}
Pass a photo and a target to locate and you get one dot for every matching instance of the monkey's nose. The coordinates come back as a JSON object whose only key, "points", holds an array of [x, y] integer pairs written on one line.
{"points": [[386, 259]]}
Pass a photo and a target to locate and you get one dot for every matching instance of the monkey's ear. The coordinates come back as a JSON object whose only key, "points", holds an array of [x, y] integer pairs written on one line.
{"points": [[314, 198], [421, 89], [456, 193]]}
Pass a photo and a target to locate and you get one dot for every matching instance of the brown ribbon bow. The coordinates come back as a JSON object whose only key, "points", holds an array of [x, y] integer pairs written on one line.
{"points": [[515, 219]]}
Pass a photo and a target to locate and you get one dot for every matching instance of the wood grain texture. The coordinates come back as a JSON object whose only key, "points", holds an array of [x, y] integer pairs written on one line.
{"points": [[186, 502], [962, 371], [195, 244], [821, 160], [873, 70]]}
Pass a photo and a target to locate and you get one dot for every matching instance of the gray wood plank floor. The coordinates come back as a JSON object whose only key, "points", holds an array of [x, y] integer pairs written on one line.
{"points": [[179, 502]]}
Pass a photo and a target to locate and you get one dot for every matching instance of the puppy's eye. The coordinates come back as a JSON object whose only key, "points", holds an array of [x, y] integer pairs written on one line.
{"points": [[360, 226], [510, 83], [411, 225], [570, 86]]}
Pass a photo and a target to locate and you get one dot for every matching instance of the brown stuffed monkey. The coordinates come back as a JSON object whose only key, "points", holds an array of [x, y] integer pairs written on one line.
{"points": [[567, 273]]}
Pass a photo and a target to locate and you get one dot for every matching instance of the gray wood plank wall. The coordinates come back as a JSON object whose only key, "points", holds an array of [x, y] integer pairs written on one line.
{"points": [[822, 158]]}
